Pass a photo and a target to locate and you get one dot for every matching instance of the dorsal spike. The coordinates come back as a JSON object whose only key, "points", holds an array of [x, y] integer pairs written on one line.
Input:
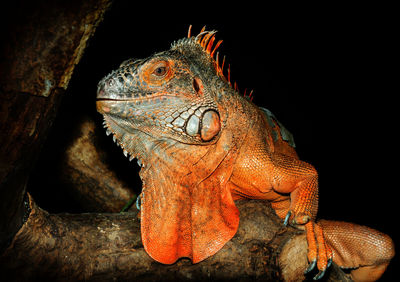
{"points": [[251, 95], [218, 67], [223, 63], [210, 44], [202, 39], [189, 31], [199, 38], [206, 40], [229, 74], [217, 62], [216, 47]]}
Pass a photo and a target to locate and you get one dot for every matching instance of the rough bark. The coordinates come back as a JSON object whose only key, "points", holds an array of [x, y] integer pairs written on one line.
{"points": [[108, 247], [45, 41]]}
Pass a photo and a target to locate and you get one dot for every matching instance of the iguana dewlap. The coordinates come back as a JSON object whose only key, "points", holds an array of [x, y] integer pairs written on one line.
{"points": [[202, 145]]}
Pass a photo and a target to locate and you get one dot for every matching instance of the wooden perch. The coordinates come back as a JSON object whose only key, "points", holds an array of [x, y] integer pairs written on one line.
{"points": [[108, 246]]}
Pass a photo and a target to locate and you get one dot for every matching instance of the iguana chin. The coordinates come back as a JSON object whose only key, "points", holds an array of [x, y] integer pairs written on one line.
{"points": [[202, 145]]}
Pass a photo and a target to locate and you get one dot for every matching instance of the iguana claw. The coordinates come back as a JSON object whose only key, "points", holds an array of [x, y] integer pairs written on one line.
{"points": [[286, 221], [329, 263], [320, 274], [311, 266], [138, 201]]}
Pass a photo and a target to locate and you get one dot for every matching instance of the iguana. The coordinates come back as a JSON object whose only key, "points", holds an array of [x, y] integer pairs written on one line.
{"points": [[202, 145]]}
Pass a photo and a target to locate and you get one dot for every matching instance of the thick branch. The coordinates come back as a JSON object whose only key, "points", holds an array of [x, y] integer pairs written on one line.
{"points": [[108, 246]]}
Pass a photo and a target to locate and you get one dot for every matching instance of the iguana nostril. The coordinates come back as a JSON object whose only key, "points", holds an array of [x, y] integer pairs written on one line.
{"points": [[110, 82]]}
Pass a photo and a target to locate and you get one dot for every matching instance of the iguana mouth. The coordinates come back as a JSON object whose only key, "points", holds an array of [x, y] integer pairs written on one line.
{"points": [[114, 100], [101, 105]]}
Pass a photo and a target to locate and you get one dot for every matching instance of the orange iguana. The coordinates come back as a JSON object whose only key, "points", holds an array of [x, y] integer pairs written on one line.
{"points": [[202, 145]]}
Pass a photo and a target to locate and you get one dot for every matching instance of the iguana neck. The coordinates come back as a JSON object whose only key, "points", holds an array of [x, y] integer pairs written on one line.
{"points": [[182, 159]]}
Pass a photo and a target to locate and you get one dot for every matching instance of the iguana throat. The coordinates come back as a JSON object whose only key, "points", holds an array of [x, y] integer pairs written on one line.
{"points": [[169, 111]]}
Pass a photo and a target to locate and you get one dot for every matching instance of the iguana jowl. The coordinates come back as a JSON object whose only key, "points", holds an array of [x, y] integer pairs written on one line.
{"points": [[202, 145]]}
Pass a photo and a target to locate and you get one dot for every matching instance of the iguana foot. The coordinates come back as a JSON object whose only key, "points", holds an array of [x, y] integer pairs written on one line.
{"points": [[319, 253]]}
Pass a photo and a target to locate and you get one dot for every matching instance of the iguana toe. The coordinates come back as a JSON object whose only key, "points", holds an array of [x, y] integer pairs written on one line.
{"points": [[319, 253]]}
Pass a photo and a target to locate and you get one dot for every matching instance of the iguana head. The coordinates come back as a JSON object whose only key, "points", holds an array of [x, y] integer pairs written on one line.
{"points": [[175, 112], [171, 95]]}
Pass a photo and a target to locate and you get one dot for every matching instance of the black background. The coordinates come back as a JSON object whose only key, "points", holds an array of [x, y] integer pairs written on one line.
{"points": [[329, 84]]}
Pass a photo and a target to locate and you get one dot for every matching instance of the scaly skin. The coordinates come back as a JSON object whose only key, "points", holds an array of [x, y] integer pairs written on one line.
{"points": [[202, 145]]}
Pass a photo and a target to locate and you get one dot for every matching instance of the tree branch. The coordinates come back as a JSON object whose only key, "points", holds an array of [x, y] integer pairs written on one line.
{"points": [[108, 246]]}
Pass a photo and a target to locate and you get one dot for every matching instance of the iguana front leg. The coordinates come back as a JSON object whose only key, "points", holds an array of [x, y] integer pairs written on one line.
{"points": [[300, 179], [292, 187], [273, 176]]}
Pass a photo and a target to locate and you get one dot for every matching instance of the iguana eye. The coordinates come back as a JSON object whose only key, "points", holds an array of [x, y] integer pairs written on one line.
{"points": [[160, 69], [158, 72]]}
